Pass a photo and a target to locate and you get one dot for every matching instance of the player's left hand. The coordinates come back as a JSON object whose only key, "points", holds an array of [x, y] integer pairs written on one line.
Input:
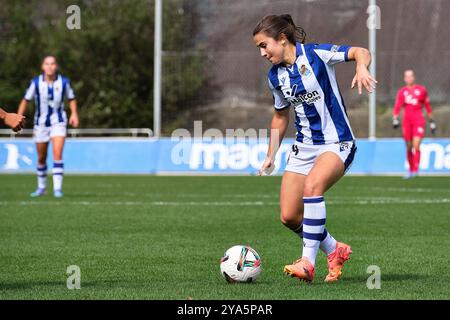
{"points": [[73, 120], [363, 78], [433, 127]]}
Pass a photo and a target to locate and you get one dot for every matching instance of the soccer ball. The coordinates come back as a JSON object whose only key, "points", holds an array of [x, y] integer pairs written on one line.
{"points": [[240, 264]]}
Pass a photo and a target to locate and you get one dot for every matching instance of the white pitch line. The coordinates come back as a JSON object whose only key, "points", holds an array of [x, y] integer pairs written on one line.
{"points": [[350, 201], [218, 203], [385, 201], [136, 203], [412, 190], [225, 196], [187, 195]]}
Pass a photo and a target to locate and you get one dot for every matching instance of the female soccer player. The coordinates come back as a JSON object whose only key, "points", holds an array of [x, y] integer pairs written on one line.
{"points": [[412, 97], [303, 78], [50, 121], [12, 120]]}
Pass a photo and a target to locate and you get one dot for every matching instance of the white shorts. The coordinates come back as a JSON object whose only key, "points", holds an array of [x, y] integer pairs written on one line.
{"points": [[303, 156], [42, 134]]}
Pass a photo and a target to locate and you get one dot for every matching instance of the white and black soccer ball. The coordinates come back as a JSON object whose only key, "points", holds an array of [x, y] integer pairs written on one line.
{"points": [[240, 264]]}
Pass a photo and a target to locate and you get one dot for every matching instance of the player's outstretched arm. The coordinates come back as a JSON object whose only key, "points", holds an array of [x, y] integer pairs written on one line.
{"points": [[362, 76], [280, 122], [22, 107], [12, 120]]}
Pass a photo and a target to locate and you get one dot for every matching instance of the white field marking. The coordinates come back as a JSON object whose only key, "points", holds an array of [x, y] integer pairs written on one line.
{"points": [[350, 201], [137, 203], [151, 195], [391, 201], [186, 195], [274, 195], [414, 190], [196, 203]]}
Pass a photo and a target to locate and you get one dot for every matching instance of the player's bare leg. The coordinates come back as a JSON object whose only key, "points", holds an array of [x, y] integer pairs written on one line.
{"points": [[416, 146], [291, 204], [58, 166], [327, 170], [58, 146], [325, 173], [41, 148], [410, 158]]}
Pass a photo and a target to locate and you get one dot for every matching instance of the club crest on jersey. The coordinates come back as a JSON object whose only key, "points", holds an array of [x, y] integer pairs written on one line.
{"points": [[335, 48], [304, 71]]}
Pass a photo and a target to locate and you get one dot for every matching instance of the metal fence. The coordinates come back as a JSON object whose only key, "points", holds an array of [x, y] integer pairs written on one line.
{"points": [[78, 133], [233, 77]]}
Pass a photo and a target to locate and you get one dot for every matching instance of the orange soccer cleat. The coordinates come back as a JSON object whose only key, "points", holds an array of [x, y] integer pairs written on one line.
{"points": [[301, 269], [336, 261]]}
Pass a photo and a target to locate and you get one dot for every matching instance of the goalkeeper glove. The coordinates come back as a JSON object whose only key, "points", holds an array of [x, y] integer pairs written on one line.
{"points": [[432, 126], [395, 123]]}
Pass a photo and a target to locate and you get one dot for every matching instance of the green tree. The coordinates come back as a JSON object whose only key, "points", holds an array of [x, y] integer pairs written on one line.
{"points": [[109, 60]]}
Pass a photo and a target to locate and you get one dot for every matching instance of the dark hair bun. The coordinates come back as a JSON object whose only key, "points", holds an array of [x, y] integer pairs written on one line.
{"points": [[288, 18], [275, 25]]}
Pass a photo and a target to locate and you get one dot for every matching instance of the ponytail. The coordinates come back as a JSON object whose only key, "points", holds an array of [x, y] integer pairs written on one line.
{"points": [[275, 25]]}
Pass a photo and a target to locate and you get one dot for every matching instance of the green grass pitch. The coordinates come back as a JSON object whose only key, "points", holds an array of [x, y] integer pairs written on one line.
{"points": [[152, 237]]}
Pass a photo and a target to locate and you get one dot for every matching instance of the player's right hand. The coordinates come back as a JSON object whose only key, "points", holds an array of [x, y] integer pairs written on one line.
{"points": [[15, 121], [267, 167], [395, 123]]}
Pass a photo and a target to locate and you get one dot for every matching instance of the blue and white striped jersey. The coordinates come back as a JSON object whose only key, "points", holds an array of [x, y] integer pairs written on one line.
{"points": [[310, 86], [49, 99]]}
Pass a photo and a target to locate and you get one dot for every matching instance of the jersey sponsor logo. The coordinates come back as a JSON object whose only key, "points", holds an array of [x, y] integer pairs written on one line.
{"points": [[307, 97], [409, 99], [298, 99]]}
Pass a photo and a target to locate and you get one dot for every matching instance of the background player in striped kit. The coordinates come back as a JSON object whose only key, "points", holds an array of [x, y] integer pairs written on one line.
{"points": [[50, 122], [412, 97], [303, 77]]}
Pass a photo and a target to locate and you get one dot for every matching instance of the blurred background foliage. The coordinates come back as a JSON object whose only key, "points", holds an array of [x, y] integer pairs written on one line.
{"points": [[109, 60]]}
